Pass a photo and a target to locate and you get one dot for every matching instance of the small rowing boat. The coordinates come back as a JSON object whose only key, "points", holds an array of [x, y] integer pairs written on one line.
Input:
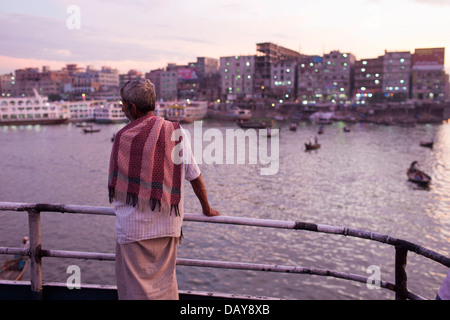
{"points": [[417, 176], [14, 269]]}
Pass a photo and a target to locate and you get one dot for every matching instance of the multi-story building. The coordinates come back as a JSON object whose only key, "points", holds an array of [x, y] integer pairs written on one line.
{"points": [[199, 80], [7, 84], [337, 77], [368, 79], [26, 80], [283, 76], [155, 77], [169, 82], [309, 80], [429, 81], [268, 53], [107, 77], [326, 79], [396, 74], [237, 76], [94, 83], [185, 81], [130, 75]]}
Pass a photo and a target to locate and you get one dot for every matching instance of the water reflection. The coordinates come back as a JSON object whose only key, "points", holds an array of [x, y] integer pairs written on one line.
{"points": [[356, 179]]}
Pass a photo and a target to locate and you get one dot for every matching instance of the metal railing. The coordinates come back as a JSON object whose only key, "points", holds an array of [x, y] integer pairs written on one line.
{"points": [[36, 252]]}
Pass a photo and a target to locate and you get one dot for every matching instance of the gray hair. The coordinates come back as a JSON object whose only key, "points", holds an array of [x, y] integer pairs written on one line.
{"points": [[141, 92]]}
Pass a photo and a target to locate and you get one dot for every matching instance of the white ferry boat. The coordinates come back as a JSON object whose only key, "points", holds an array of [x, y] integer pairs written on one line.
{"points": [[185, 111], [160, 109], [82, 111], [31, 110], [109, 112]]}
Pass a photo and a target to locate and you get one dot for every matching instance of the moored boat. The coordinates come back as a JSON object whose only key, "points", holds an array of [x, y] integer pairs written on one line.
{"points": [[82, 111], [185, 111], [31, 110], [109, 112], [252, 124]]}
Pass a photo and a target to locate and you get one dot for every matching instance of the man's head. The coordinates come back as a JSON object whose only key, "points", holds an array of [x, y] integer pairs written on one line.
{"points": [[138, 98]]}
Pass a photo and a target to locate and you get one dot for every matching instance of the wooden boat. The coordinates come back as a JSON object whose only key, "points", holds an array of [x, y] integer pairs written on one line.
{"points": [[310, 146], [252, 125], [293, 127], [417, 176], [320, 131], [346, 129], [428, 144], [13, 269], [90, 129]]}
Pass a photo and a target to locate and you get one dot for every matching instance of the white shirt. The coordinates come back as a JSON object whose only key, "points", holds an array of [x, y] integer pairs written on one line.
{"points": [[133, 225]]}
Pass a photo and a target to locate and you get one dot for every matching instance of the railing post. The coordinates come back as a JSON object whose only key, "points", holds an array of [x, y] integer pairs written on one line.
{"points": [[34, 220], [400, 273]]}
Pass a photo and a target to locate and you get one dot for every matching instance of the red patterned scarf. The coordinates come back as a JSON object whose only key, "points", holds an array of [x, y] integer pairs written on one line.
{"points": [[141, 170]]}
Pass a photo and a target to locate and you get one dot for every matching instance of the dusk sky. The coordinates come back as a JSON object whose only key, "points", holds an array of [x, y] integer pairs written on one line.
{"points": [[148, 34]]}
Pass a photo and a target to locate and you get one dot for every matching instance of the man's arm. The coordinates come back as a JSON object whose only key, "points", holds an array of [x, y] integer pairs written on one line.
{"points": [[200, 191]]}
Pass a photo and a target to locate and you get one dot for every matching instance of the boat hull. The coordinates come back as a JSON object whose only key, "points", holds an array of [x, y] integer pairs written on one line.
{"points": [[312, 146], [32, 122], [418, 177]]}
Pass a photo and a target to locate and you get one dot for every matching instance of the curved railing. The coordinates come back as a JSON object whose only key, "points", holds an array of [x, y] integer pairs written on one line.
{"points": [[35, 252]]}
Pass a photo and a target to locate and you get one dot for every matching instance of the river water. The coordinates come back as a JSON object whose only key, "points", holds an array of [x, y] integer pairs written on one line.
{"points": [[356, 179]]}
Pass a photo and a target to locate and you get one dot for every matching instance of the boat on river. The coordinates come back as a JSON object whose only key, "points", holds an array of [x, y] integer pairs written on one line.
{"points": [[32, 110], [185, 111], [109, 112], [427, 144], [90, 129], [417, 176], [311, 146], [252, 124], [14, 269], [293, 126]]}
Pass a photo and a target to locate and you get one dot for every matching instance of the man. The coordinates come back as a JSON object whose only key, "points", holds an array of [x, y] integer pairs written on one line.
{"points": [[146, 186]]}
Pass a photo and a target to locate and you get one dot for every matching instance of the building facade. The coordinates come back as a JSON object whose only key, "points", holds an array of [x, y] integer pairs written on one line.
{"points": [[268, 53], [337, 77], [237, 76], [283, 77], [429, 81], [368, 80], [309, 79], [396, 74]]}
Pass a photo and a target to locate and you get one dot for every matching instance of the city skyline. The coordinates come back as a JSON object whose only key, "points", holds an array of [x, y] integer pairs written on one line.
{"points": [[146, 35]]}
